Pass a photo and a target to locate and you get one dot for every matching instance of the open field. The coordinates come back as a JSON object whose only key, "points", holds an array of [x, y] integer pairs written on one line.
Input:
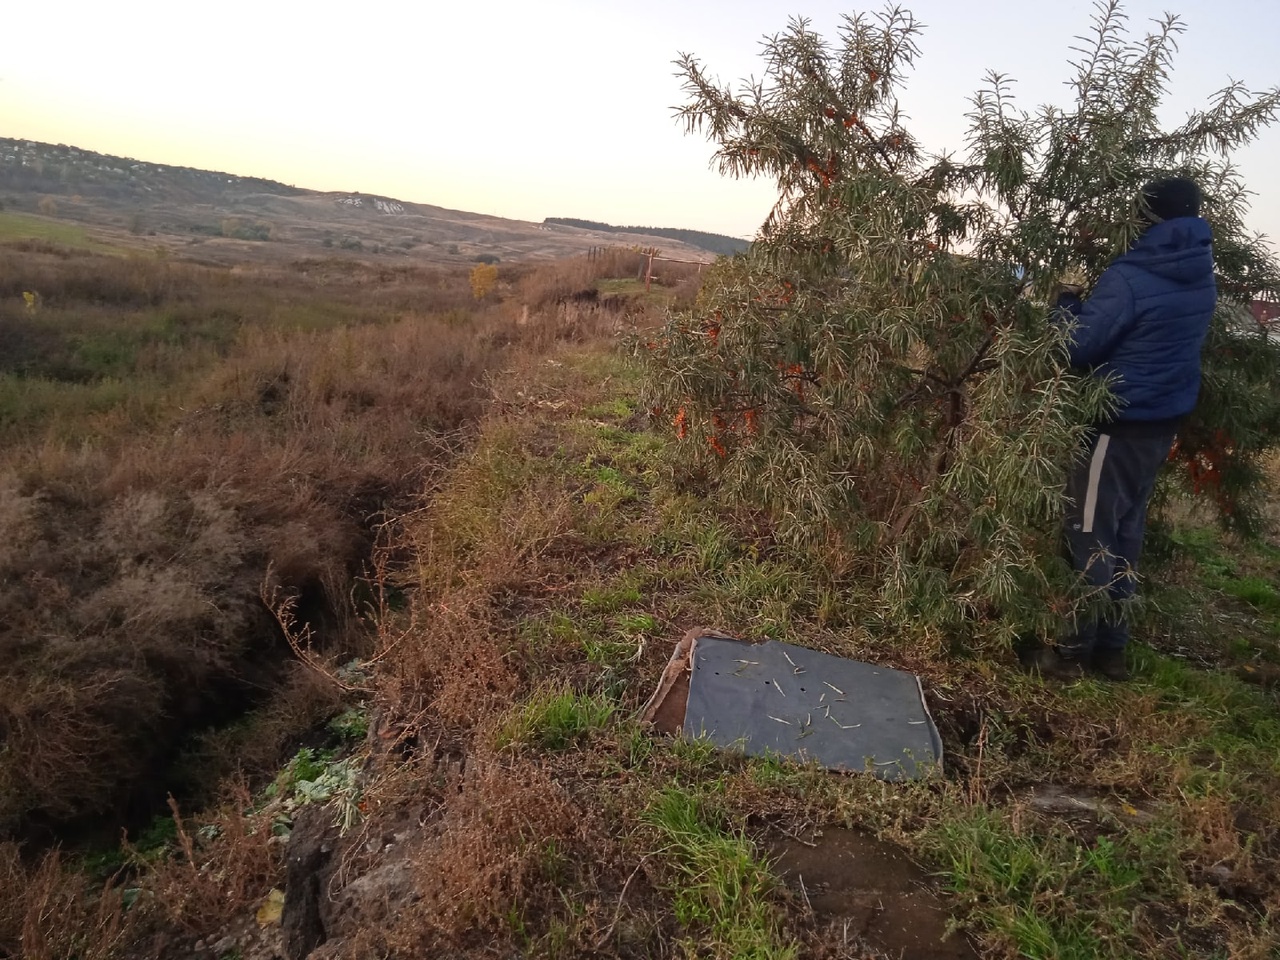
{"points": [[176, 439], [18, 226], [485, 552]]}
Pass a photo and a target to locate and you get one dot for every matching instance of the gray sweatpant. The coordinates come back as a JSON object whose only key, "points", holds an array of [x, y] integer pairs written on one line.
{"points": [[1108, 492]]}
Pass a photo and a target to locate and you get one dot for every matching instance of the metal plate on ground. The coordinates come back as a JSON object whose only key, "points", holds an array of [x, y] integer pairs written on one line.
{"points": [[775, 698]]}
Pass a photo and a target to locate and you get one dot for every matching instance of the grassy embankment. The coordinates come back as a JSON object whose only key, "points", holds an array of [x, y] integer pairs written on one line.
{"points": [[562, 558], [542, 586]]}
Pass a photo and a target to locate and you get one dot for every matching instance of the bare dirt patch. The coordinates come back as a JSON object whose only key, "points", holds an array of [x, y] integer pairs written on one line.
{"points": [[869, 890]]}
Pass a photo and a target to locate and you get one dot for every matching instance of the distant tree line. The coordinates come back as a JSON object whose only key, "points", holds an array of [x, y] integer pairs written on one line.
{"points": [[715, 242]]}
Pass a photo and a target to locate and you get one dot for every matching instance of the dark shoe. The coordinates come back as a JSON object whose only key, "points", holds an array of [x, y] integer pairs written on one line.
{"points": [[1110, 664], [1053, 665]]}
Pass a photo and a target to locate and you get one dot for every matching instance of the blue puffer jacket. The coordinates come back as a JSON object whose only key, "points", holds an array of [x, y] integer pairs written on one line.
{"points": [[1146, 320]]}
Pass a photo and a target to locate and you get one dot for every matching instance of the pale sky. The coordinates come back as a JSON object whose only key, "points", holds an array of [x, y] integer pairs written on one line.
{"points": [[525, 109]]}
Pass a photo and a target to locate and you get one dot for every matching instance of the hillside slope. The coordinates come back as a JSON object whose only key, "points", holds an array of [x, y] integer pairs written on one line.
{"points": [[226, 218], [716, 243]]}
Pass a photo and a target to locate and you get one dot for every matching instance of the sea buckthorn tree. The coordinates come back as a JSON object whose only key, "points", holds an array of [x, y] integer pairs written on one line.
{"points": [[881, 369]]}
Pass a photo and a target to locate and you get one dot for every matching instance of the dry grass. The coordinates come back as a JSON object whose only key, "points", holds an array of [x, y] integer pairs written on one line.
{"points": [[506, 846], [50, 911], [219, 872], [53, 910], [172, 432], [540, 287], [132, 567]]}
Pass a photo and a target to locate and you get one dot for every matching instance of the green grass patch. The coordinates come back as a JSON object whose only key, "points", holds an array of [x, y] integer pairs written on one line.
{"points": [[631, 624], [352, 724], [610, 492], [1256, 592], [620, 286], [721, 891], [21, 226], [634, 289], [557, 628], [624, 591], [615, 408], [306, 766], [70, 410], [1245, 570], [555, 720], [1047, 893], [1204, 547]]}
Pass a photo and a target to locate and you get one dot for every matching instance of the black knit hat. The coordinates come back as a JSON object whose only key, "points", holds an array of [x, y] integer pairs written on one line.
{"points": [[1171, 198]]}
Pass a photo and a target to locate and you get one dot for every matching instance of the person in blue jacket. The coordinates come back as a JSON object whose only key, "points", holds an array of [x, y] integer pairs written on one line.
{"points": [[1142, 328]]}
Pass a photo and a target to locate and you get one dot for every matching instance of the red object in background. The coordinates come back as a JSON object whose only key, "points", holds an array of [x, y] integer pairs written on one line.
{"points": [[1266, 312]]}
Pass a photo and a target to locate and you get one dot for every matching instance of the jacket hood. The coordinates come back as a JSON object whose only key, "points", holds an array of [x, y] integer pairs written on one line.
{"points": [[1180, 250]]}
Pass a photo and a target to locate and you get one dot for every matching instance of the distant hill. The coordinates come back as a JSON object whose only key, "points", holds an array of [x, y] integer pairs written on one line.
{"points": [[714, 242], [29, 166], [228, 218]]}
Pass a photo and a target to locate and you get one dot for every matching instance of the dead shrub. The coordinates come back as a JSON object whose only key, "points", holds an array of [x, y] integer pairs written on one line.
{"points": [[574, 322], [220, 871], [50, 912], [549, 284], [511, 840], [469, 676], [70, 742]]}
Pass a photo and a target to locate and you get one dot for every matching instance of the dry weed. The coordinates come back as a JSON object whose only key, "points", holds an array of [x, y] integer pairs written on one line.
{"points": [[49, 912], [220, 872], [511, 840]]}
